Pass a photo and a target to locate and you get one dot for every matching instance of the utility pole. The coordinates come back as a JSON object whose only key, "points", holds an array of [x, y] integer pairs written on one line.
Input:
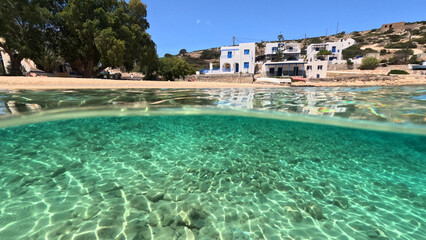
{"points": [[305, 38], [233, 40], [326, 32], [337, 30]]}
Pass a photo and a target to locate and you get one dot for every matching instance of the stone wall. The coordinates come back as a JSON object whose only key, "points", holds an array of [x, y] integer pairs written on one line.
{"points": [[230, 78], [355, 77], [397, 26], [341, 67]]}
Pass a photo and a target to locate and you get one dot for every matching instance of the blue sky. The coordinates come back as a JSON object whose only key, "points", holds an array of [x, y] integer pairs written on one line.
{"points": [[200, 24]]}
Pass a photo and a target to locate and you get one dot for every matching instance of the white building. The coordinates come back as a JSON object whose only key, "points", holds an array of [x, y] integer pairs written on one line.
{"points": [[235, 59], [336, 49], [284, 69], [291, 51], [316, 69]]}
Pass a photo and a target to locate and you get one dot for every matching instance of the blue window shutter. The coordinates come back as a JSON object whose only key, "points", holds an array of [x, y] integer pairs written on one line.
{"points": [[333, 49], [229, 54], [246, 65], [246, 52]]}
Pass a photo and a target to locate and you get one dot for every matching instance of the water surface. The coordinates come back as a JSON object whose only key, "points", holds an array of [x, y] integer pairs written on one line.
{"points": [[213, 164]]}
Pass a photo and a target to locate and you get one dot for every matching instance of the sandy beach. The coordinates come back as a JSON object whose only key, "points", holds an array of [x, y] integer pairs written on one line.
{"points": [[398, 81], [16, 83], [31, 83]]}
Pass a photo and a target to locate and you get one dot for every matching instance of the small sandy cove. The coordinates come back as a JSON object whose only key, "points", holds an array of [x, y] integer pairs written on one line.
{"points": [[33, 83]]}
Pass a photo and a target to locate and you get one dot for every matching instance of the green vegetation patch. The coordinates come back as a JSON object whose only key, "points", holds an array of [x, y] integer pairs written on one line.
{"points": [[396, 71], [369, 63], [401, 45]]}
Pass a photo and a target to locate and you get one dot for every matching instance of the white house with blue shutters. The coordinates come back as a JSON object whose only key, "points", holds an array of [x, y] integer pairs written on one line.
{"points": [[237, 59], [290, 51], [335, 48]]}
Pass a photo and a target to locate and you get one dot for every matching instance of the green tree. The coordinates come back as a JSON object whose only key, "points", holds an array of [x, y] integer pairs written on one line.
{"points": [[182, 52], [174, 67], [22, 25], [48, 61], [369, 63], [95, 34], [352, 51], [279, 56], [401, 56], [323, 53]]}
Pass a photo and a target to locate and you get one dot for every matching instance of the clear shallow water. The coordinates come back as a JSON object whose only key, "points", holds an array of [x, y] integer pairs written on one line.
{"points": [[196, 176]]}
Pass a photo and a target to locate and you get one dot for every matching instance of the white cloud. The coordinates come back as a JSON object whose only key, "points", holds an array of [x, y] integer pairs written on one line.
{"points": [[198, 21]]}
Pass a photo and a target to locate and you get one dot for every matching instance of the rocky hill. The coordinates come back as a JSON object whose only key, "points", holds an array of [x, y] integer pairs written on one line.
{"points": [[401, 44]]}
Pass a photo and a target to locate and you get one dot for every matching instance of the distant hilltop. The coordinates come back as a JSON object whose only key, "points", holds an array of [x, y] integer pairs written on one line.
{"points": [[383, 41], [399, 26]]}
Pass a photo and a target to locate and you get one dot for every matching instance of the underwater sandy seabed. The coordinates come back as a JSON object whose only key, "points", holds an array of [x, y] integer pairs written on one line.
{"points": [[209, 177]]}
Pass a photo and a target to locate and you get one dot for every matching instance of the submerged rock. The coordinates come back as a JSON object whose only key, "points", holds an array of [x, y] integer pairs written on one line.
{"points": [[341, 202], [155, 195], [165, 233], [318, 194], [371, 208], [296, 215], [109, 187], [58, 171], [90, 212], [204, 186], [300, 178], [314, 210], [265, 187], [140, 203], [283, 187]]}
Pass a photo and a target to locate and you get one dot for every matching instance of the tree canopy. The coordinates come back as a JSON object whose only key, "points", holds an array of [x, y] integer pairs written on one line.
{"points": [[90, 35], [22, 25], [279, 56], [174, 67], [95, 34]]}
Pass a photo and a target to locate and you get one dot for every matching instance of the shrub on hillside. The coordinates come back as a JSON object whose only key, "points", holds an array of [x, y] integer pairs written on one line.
{"points": [[396, 71], [395, 38], [415, 32], [389, 31], [382, 52], [210, 54], [352, 51], [401, 45], [369, 63], [341, 34], [420, 40], [369, 50], [401, 56], [315, 40], [359, 39], [414, 60]]}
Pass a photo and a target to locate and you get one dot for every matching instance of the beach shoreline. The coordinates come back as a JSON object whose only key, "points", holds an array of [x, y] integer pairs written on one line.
{"points": [[46, 83]]}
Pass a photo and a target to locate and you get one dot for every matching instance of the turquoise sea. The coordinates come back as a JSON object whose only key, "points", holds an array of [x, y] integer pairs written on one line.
{"points": [[295, 163]]}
